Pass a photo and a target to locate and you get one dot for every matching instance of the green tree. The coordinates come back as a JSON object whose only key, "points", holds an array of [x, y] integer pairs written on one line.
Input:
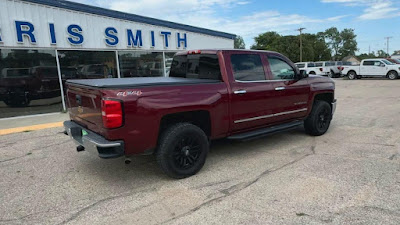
{"points": [[239, 43], [396, 52], [267, 41], [381, 54], [367, 56], [314, 46], [342, 43]]}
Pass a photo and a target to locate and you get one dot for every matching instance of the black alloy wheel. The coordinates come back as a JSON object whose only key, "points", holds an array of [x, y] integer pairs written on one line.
{"points": [[182, 150]]}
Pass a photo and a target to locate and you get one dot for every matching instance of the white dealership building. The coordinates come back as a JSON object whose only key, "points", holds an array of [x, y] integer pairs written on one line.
{"points": [[45, 42]]}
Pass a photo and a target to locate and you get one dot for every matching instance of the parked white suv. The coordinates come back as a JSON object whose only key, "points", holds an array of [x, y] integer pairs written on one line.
{"points": [[373, 68], [309, 67]]}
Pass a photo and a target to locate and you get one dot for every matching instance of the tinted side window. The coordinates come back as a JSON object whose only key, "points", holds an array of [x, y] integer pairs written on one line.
{"points": [[280, 69], [319, 64], [247, 67], [196, 66], [310, 65], [368, 63], [300, 66]]}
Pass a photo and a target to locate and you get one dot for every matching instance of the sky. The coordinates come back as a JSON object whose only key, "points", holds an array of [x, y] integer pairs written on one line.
{"points": [[372, 20]]}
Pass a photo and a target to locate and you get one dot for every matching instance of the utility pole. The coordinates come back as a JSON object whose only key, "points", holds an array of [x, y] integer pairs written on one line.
{"points": [[301, 43], [387, 45]]}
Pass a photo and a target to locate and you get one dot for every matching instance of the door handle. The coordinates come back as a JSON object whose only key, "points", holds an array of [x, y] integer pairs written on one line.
{"points": [[280, 88], [240, 92]]}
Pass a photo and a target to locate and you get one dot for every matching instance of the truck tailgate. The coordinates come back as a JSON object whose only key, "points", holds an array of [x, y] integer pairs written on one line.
{"points": [[84, 105]]}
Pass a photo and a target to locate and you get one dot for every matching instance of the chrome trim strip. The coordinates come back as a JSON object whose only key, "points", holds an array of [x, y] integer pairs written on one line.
{"points": [[270, 115], [262, 81]]}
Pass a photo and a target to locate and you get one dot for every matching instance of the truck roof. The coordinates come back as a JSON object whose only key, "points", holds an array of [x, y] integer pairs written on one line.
{"points": [[214, 51]]}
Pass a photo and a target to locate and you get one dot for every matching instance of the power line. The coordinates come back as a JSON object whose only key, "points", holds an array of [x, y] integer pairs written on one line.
{"points": [[301, 43]]}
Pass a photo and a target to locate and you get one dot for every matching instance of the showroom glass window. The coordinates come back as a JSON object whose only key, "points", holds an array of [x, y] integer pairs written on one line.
{"points": [[141, 64], [29, 82], [168, 61], [87, 64]]}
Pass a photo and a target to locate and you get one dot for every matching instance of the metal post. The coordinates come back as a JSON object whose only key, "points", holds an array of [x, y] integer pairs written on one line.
{"points": [[387, 45], [117, 62], [60, 80], [301, 43], [165, 71]]}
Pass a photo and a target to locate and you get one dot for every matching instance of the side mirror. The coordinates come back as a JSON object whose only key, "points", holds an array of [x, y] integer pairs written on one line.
{"points": [[382, 65], [303, 74]]}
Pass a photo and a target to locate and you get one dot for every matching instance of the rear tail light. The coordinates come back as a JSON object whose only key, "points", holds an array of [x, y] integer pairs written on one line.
{"points": [[111, 112], [320, 69], [340, 68]]}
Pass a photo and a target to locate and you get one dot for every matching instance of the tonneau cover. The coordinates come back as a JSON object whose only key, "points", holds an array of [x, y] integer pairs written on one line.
{"points": [[138, 82]]}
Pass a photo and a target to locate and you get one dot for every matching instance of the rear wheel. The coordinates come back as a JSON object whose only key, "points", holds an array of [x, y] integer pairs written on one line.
{"points": [[182, 150], [392, 75], [352, 75], [317, 123], [331, 74]]}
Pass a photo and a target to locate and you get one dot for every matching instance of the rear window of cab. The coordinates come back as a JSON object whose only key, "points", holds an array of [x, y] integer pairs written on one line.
{"points": [[199, 66]]}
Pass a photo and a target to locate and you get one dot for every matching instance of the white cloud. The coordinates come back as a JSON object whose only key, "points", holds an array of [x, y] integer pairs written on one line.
{"points": [[374, 9], [216, 15]]}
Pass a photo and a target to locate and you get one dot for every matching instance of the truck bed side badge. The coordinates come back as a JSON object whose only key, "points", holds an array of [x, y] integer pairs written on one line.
{"points": [[129, 93]]}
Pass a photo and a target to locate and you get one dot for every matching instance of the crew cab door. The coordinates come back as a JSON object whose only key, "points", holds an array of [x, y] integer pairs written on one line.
{"points": [[252, 95], [369, 68], [291, 94]]}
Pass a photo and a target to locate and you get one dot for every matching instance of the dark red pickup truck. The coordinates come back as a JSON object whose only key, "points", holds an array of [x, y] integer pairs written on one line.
{"points": [[209, 94]]}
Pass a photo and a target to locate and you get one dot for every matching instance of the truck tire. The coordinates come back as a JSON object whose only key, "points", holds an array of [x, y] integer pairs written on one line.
{"points": [[352, 75], [331, 74], [317, 123], [182, 150], [392, 75]]}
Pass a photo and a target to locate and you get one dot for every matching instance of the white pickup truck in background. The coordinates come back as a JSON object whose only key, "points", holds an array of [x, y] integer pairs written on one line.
{"points": [[372, 68], [309, 68], [329, 68]]}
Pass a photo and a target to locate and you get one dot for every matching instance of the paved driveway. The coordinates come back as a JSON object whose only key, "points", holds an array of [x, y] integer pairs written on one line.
{"points": [[351, 175]]}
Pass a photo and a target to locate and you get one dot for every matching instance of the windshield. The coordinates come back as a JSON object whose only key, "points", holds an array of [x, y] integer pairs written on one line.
{"points": [[387, 62]]}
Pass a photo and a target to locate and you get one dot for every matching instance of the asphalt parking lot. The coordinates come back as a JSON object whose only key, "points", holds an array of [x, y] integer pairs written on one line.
{"points": [[351, 175]]}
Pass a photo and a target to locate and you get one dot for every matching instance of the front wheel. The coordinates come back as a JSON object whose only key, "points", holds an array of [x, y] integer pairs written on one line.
{"points": [[392, 75], [182, 150], [317, 123], [351, 75]]}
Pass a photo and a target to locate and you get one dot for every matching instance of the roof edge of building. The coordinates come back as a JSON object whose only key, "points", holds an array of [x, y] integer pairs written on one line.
{"points": [[74, 6]]}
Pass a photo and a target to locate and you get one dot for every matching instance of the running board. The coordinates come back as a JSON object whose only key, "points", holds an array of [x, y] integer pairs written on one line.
{"points": [[265, 131]]}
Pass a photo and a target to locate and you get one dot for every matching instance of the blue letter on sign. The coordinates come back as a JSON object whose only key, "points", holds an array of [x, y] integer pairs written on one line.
{"points": [[166, 36], [75, 32], [134, 41], [52, 34], [27, 31], [111, 38], [184, 40], [153, 42]]}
